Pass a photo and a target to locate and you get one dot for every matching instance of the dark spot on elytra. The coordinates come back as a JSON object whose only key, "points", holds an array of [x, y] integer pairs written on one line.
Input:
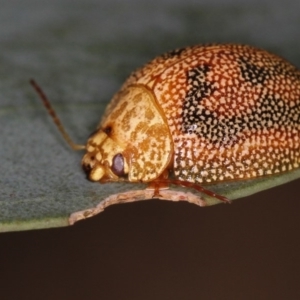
{"points": [[198, 87], [253, 73], [267, 113], [197, 82], [287, 71], [173, 53]]}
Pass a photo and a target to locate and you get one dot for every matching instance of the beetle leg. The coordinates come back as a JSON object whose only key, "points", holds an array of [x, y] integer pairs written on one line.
{"points": [[158, 184], [161, 183]]}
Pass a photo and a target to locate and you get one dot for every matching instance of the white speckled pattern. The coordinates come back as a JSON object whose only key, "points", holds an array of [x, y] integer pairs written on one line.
{"points": [[232, 110]]}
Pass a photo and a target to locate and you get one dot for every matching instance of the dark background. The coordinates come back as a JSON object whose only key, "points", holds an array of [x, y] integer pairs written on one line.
{"points": [[161, 250], [150, 249]]}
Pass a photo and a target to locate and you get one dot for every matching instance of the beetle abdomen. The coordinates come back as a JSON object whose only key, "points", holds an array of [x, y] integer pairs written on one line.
{"points": [[232, 110]]}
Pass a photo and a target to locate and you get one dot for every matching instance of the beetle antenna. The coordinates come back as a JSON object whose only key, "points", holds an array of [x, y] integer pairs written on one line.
{"points": [[54, 117]]}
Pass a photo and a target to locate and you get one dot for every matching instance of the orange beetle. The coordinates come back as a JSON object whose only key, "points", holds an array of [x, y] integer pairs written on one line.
{"points": [[202, 114]]}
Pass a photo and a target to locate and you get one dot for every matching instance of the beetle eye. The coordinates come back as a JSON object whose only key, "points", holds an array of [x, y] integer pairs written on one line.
{"points": [[118, 164]]}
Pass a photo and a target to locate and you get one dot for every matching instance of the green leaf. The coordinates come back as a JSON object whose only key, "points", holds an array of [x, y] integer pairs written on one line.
{"points": [[43, 184], [80, 60]]}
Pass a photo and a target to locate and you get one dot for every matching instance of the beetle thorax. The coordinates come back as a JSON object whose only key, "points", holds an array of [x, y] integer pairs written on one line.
{"points": [[132, 143]]}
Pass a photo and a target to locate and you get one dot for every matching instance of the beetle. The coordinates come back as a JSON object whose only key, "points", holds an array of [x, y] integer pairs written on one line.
{"points": [[198, 115]]}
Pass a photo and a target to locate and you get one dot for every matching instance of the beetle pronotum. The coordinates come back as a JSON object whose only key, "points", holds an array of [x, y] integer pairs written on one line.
{"points": [[198, 115]]}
